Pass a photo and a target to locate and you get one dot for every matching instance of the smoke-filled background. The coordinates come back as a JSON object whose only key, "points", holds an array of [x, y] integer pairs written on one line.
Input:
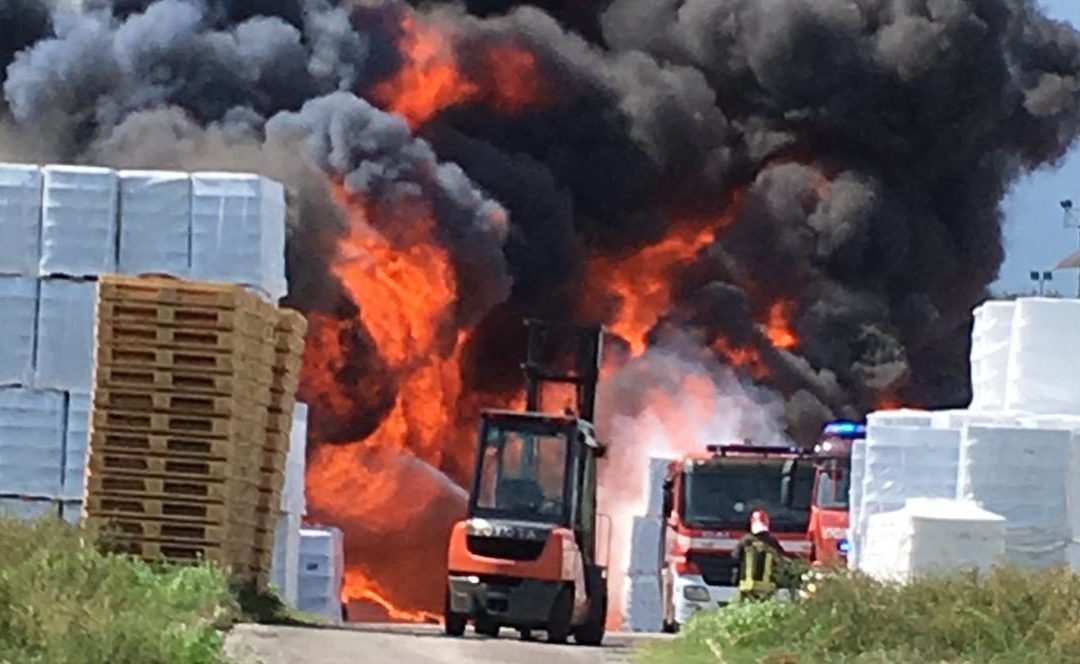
{"points": [[783, 211]]}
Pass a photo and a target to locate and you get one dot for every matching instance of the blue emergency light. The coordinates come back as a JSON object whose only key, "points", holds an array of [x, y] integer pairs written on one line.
{"points": [[843, 546], [845, 429]]}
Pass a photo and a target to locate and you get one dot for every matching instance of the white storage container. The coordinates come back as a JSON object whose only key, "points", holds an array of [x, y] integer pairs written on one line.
{"points": [[1021, 474], [20, 219], [990, 341], [18, 328], [322, 572], [79, 218], [238, 231], [31, 442], [155, 222], [65, 343], [76, 445], [929, 537]]}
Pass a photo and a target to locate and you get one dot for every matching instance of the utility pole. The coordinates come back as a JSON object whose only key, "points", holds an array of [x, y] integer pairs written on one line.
{"points": [[1072, 221]]}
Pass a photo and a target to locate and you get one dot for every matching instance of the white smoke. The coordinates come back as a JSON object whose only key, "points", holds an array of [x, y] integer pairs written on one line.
{"points": [[663, 405]]}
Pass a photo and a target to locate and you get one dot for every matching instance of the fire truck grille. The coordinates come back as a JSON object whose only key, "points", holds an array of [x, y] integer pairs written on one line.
{"points": [[504, 548], [718, 569]]}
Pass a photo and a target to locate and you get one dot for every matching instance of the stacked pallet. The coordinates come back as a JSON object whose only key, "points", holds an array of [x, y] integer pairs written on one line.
{"points": [[183, 375]]}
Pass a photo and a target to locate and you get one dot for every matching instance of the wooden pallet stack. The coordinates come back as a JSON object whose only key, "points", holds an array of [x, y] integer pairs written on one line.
{"points": [[183, 378], [289, 335]]}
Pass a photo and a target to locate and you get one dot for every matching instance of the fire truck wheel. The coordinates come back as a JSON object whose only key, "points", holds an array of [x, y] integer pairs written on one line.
{"points": [[485, 626], [562, 613], [453, 623]]}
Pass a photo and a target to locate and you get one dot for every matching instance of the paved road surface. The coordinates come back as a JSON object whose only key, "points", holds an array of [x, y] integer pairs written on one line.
{"points": [[250, 644]]}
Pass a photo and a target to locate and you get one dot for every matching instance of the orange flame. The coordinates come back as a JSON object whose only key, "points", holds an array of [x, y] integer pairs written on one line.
{"points": [[778, 327], [431, 78]]}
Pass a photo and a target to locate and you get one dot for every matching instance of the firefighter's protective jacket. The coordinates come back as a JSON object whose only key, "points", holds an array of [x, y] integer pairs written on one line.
{"points": [[758, 556]]}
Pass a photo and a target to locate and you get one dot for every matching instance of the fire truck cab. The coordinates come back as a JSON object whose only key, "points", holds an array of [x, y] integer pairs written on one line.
{"points": [[828, 530], [708, 499]]}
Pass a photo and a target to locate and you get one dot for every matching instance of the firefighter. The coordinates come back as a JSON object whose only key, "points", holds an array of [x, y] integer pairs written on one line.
{"points": [[758, 554]]}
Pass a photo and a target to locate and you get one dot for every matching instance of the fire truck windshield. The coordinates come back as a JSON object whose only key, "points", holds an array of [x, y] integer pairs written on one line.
{"points": [[723, 495], [833, 485], [522, 475]]}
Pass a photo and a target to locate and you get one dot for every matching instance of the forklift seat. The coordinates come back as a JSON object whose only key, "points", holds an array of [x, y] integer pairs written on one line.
{"points": [[519, 493]]}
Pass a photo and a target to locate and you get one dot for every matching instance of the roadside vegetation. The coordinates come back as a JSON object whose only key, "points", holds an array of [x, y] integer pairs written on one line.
{"points": [[1010, 616], [64, 602]]}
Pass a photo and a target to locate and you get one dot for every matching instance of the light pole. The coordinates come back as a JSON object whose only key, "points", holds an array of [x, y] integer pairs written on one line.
{"points": [[1041, 278], [1072, 221]]}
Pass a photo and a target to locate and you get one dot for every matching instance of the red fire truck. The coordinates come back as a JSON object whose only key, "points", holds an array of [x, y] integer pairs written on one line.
{"points": [[828, 530], [708, 499]]}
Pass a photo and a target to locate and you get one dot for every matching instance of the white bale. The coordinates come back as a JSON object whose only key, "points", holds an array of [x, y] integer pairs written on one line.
{"points": [[155, 222], [285, 567], [31, 442], [1021, 473], [959, 418], [642, 603], [79, 219], [293, 499], [932, 536], [20, 219], [238, 231], [1071, 424], [65, 335], [18, 328], [991, 337], [28, 509], [646, 545], [654, 505], [76, 445], [71, 511], [1043, 377], [855, 493], [904, 417], [322, 572]]}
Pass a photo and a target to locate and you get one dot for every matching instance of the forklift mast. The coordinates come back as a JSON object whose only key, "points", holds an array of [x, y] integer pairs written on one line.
{"points": [[549, 358]]}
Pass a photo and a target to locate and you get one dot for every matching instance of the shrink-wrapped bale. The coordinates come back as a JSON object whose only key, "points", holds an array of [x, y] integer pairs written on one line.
{"points": [[293, 500], [31, 442], [904, 417], [655, 487], [155, 223], [646, 545], [322, 572], [1043, 377], [18, 328], [855, 496], [1021, 474], [642, 603], [285, 568], [20, 219], [79, 220], [990, 340], [64, 358], [76, 445]]}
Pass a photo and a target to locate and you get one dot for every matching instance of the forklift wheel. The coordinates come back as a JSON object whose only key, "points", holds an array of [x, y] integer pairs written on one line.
{"points": [[562, 613], [453, 623], [592, 632], [485, 626], [525, 634]]}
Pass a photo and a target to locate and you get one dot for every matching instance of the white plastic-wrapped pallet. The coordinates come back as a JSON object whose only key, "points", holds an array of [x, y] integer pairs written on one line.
{"points": [[1071, 424], [990, 340], [1021, 474], [646, 545], [932, 536], [642, 603], [20, 219], [285, 568], [71, 511], [322, 572], [18, 302], [31, 442], [65, 335], [28, 509], [76, 445], [238, 231], [959, 418], [905, 462], [1043, 377], [855, 491], [293, 500], [904, 417], [655, 486], [155, 222], [78, 221]]}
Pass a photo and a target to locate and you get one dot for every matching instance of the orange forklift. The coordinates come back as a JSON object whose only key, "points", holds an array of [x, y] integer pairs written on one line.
{"points": [[525, 556]]}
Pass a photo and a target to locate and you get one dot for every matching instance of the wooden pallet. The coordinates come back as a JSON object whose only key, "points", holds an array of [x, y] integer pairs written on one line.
{"points": [[180, 446], [203, 405], [114, 484], [162, 530], [279, 422], [103, 462], [121, 333], [180, 552], [175, 291], [146, 357], [182, 316], [108, 506], [251, 427], [191, 382]]}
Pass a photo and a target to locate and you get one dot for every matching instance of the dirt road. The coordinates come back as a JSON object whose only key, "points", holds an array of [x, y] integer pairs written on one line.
{"points": [[251, 644]]}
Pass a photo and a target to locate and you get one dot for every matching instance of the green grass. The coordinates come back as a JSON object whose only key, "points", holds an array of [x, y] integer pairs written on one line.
{"points": [[63, 602], [1010, 616]]}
